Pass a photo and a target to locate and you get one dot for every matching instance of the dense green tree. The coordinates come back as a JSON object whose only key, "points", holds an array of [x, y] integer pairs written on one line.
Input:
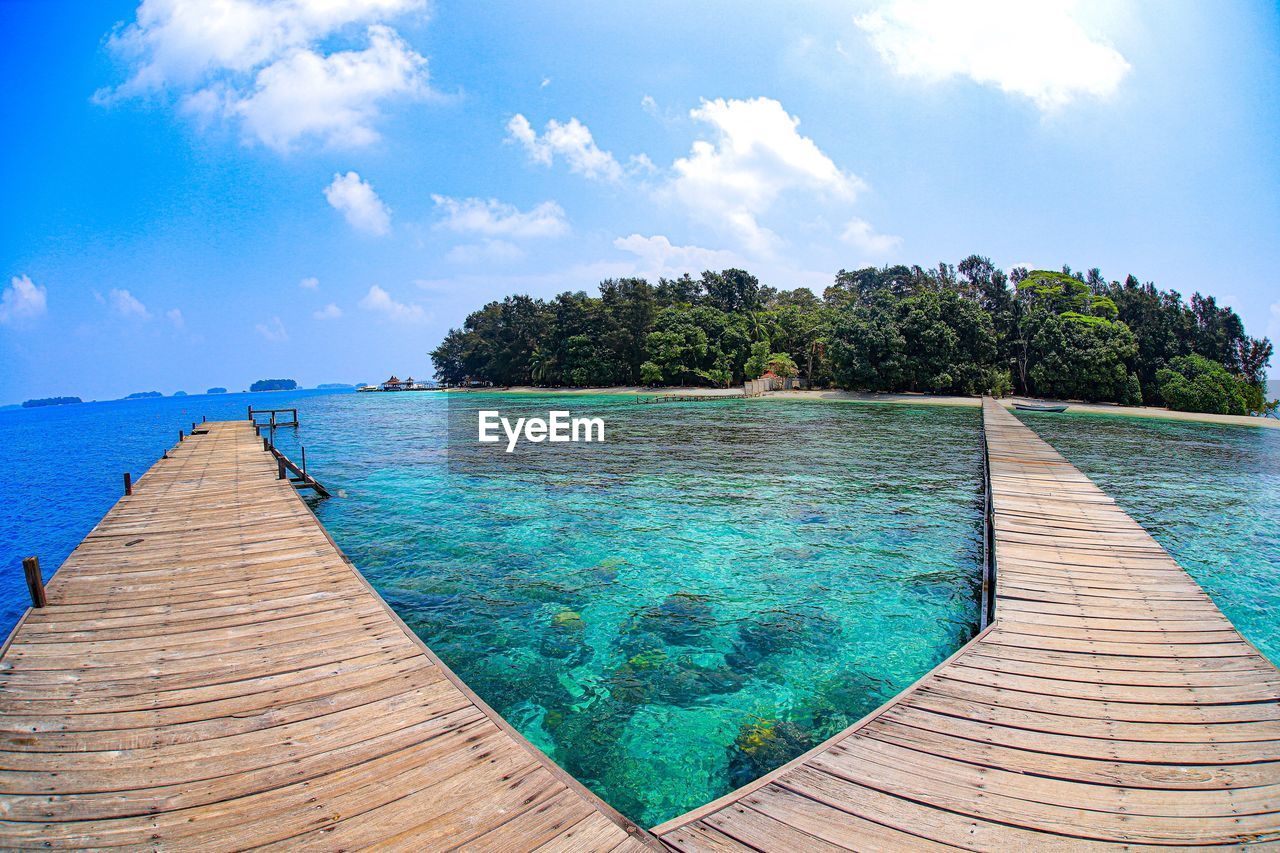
{"points": [[1193, 383], [963, 329]]}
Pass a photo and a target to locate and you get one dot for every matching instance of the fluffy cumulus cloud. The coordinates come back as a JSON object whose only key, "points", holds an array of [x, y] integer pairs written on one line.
{"points": [[755, 155], [1041, 50], [859, 234], [493, 218], [657, 257], [124, 304], [266, 64], [273, 330], [22, 300], [355, 199], [571, 141], [378, 301], [328, 312]]}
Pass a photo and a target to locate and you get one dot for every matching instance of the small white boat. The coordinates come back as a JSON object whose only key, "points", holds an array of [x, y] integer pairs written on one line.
{"points": [[1040, 407]]}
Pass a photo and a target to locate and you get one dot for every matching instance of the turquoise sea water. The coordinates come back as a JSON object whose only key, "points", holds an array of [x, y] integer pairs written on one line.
{"points": [[719, 587], [1209, 494]]}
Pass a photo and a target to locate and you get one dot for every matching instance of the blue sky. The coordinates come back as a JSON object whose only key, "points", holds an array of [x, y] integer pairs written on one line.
{"points": [[200, 194]]}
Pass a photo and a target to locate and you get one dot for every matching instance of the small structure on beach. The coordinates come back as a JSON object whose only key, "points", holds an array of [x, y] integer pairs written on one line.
{"points": [[395, 383]]}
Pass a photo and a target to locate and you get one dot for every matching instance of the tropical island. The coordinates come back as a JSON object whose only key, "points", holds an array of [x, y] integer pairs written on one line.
{"points": [[953, 329], [274, 385], [216, 390], [50, 401], [142, 395]]}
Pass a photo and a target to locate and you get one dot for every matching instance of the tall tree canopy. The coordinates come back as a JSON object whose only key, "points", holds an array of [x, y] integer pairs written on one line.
{"points": [[963, 329]]}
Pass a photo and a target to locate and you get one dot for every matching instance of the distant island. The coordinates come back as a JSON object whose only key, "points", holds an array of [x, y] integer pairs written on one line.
{"points": [[51, 401], [274, 385], [216, 391], [966, 328], [179, 393], [334, 386], [139, 395]]}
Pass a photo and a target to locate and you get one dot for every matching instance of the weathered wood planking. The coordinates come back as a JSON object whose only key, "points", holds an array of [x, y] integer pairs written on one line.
{"points": [[211, 672], [1111, 704]]}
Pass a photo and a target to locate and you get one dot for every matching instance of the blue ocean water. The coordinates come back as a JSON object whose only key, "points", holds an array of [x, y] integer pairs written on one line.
{"points": [[1209, 494], [719, 587]]}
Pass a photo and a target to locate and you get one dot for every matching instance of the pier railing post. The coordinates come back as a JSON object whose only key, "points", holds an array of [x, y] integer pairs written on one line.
{"points": [[265, 446], [128, 483], [181, 437], [304, 462], [280, 469], [35, 581]]}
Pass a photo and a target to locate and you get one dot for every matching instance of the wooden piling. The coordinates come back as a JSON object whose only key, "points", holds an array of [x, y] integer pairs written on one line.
{"points": [[128, 483], [281, 474], [35, 580], [181, 437]]}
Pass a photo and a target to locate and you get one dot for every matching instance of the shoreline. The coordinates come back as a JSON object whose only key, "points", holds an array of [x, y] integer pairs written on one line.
{"points": [[1148, 412]]}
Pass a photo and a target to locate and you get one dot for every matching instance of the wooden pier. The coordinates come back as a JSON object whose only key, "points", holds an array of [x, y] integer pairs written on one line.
{"points": [[1110, 705], [211, 672]]}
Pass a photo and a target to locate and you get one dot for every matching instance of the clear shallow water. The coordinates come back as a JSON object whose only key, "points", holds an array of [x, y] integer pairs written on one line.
{"points": [[718, 588], [723, 585], [1209, 494]]}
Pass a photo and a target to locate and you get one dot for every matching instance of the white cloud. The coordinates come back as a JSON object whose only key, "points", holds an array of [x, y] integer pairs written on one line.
{"points": [[357, 201], [22, 300], [755, 156], [658, 258], [859, 234], [1041, 50], [328, 312], [486, 251], [174, 316], [262, 62], [571, 141], [273, 330], [493, 218], [546, 81], [309, 283], [125, 304], [379, 301], [332, 98]]}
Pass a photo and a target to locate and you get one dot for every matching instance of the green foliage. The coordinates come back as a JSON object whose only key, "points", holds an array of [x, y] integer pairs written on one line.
{"points": [[758, 362], [1193, 383], [964, 329], [260, 385]]}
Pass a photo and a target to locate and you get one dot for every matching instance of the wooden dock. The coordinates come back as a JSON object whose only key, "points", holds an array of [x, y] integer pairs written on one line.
{"points": [[211, 672], [1109, 705]]}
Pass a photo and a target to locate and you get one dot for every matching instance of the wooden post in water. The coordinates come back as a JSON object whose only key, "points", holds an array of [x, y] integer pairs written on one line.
{"points": [[35, 581], [181, 437], [280, 469], [304, 462], [128, 483]]}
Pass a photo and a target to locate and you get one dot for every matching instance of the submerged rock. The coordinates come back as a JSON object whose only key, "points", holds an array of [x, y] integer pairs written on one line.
{"points": [[764, 745], [682, 619]]}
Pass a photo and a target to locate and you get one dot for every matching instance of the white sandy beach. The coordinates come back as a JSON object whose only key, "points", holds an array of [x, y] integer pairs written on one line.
{"points": [[919, 399]]}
